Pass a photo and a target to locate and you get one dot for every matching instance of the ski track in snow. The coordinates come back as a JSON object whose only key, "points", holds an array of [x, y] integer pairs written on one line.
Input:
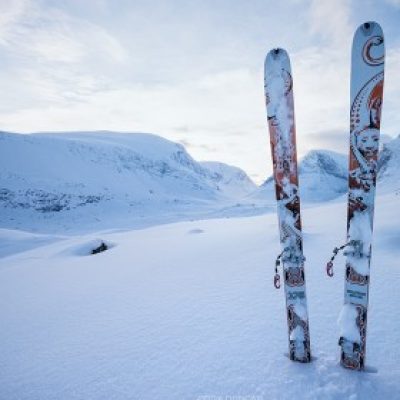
{"points": [[188, 310]]}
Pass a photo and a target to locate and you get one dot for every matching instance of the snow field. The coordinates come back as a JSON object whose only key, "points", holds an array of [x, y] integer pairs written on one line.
{"points": [[187, 310]]}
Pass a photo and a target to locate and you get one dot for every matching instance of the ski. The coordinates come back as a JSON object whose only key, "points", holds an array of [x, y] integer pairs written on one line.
{"points": [[367, 74], [278, 86]]}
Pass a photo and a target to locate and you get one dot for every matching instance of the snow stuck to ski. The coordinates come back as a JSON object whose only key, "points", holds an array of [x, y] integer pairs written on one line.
{"points": [[280, 113], [367, 75], [347, 323]]}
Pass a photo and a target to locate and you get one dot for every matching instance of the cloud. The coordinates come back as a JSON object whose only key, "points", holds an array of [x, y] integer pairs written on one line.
{"points": [[201, 107], [331, 20], [395, 3], [335, 140], [10, 14], [223, 127], [52, 59], [193, 146], [50, 34]]}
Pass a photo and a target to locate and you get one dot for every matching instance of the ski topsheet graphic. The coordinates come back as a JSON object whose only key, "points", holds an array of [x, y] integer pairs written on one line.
{"points": [[280, 113], [367, 73]]}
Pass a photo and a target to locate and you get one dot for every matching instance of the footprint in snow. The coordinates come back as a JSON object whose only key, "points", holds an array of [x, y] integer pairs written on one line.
{"points": [[195, 231]]}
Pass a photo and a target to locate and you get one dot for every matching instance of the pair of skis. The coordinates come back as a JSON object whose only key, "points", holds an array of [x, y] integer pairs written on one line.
{"points": [[367, 73]]}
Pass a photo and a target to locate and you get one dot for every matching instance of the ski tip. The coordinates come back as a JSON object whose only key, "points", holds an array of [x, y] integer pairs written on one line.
{"points": [[276, 54], [369, 43], [370, 28], [277, 51]]}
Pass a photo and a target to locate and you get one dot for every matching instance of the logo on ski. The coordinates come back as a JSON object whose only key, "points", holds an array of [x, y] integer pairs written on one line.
{"points": [[354, 277], [294, 276]]}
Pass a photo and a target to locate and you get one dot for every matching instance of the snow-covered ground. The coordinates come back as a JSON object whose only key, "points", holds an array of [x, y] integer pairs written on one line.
{"points": [[187, 310]]}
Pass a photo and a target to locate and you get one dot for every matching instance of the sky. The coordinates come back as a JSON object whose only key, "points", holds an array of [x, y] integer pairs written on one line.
{"points": [[190, 71]]}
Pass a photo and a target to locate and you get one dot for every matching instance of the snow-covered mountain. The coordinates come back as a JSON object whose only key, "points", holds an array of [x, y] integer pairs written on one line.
{"points": [[233, 180], [99, 180], [389, 166], [61, 176], [322, 177], [323, 174]]}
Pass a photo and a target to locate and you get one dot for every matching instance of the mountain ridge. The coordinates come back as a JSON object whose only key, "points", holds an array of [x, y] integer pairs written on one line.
{"points": [[323, 174], [104, 179], [96, 175]]}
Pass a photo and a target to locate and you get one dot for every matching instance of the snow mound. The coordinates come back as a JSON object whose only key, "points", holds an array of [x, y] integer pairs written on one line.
{"points": [[88, 247], [13, 241]]}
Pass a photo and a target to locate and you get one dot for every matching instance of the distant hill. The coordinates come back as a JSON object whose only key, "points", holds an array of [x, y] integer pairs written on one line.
{"points": [[84, 181], [91, 176], [323, 174], [389, 166], [322, 177]]}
